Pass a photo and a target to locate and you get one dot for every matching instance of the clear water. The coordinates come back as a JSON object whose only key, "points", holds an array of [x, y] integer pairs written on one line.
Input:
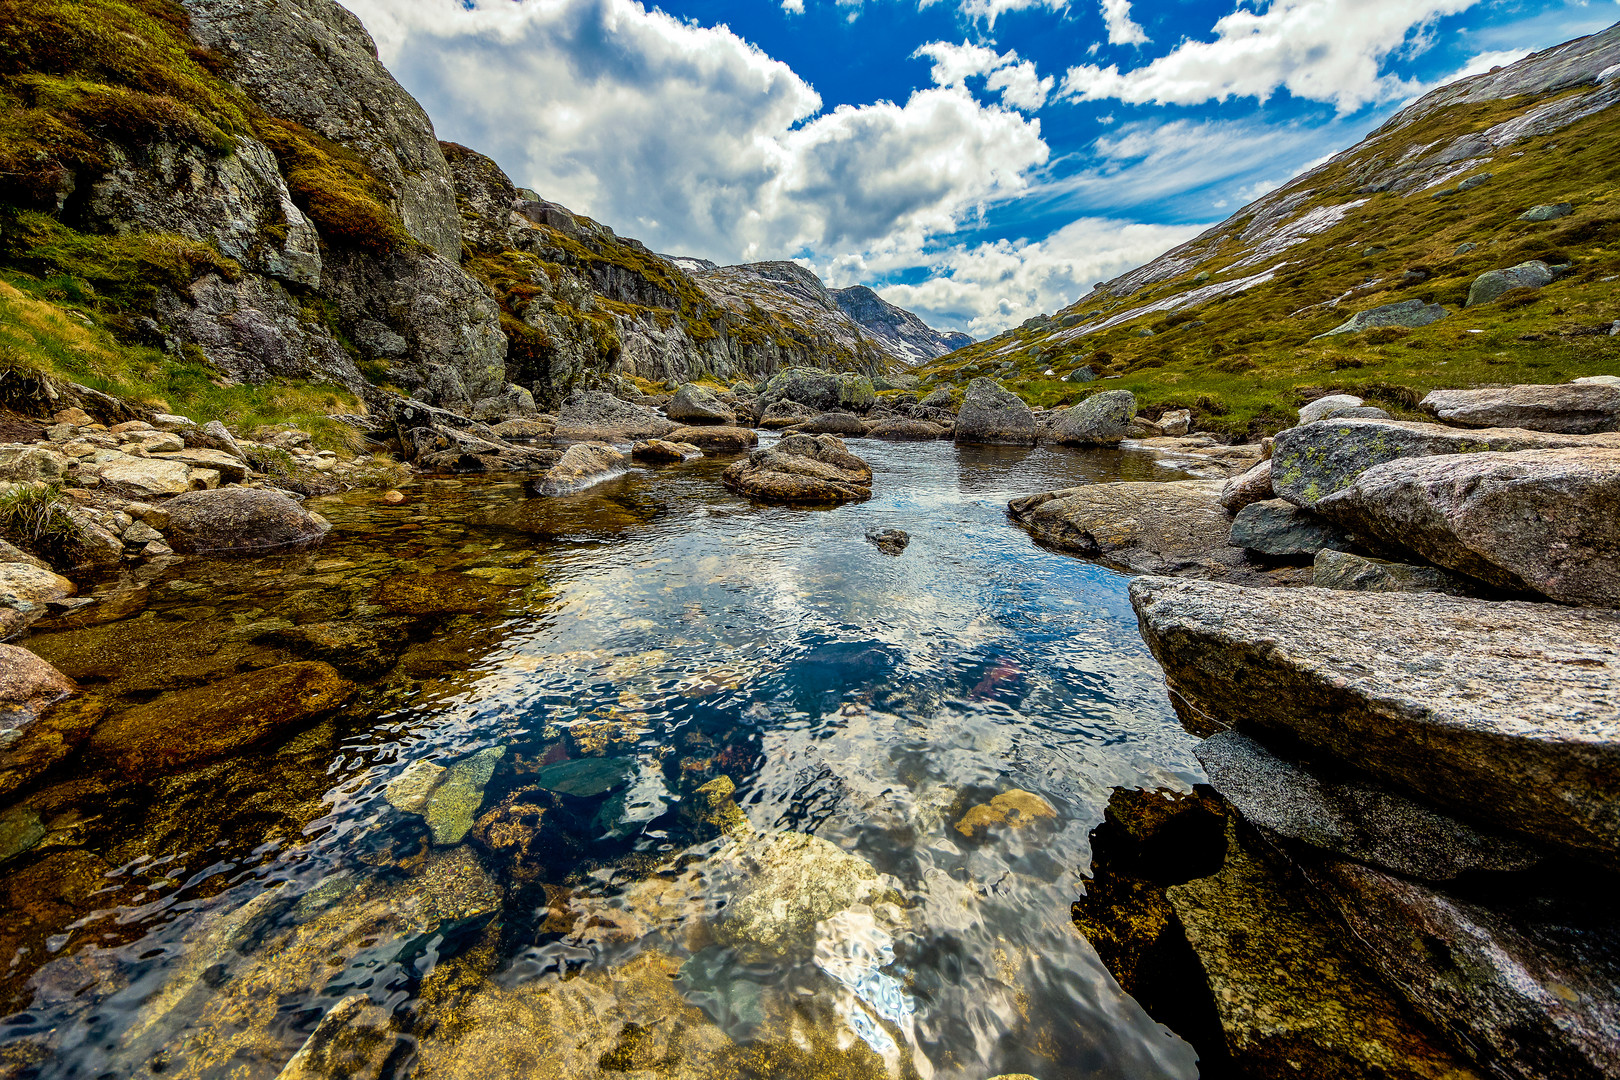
{"points": [[632, 644]]}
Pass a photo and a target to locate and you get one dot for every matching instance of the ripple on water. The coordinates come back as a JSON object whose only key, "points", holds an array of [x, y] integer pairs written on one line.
{"points": [[684, 789]]}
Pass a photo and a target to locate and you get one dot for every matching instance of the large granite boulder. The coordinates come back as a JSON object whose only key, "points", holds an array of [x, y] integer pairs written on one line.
{"points": [[1312, 461], [991, 414], [694, 404], [817, 390], [597, 416], [1545, 521], [1320, 409], [582, 465], [1490, 285], [1411, 314], [1503, 713], [1144, 527], [1278, 528], [238, 519], [803, 469], [1100, 420], [1564, 408]]}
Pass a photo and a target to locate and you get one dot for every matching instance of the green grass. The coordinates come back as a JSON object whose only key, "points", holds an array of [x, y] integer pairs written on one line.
{"points": [[35, 519], [1245, 371]]}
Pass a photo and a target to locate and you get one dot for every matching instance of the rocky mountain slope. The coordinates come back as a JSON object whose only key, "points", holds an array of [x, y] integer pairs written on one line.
{"points": [[204, 197], [1242, 323], [903, 334]]}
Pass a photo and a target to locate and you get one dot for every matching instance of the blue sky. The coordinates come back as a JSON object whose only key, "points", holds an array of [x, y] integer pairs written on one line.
{"points": [[978, 161]]}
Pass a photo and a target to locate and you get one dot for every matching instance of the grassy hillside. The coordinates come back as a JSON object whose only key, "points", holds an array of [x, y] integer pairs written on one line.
{"points": [[1245, 361]]}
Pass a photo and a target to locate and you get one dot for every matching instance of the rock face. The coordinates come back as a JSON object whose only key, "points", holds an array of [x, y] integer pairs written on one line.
{"points": [[803, 469], [1527, 275], [1358, 573], [990, 414], [1566, 409], [1504, 713], [1313, 461], [1408, 313], [1280, 529], [239, 519], [1146, 527], [582, 465], [1546, 521], [1100, 420], [694, 404]]}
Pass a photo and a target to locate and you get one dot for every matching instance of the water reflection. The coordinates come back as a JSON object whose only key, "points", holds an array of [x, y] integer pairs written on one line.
{"points": [[642, 779]]}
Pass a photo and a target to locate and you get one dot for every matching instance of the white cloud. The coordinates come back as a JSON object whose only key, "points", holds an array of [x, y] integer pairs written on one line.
{"points": [[694, 140], [1122, 29], [991, 10], [1019, 83], [793, 7], [991, 286], [1321, 50]]}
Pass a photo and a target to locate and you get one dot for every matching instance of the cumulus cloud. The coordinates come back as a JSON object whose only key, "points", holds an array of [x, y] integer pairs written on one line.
{"points": [[691, 138], [1320, 50], [1122, 29], [793, 7], [1018, 82], [991, 10], [990, 286]]}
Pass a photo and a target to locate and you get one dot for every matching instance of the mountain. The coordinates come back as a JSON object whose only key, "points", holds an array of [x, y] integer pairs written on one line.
{"points": [[207, 196], [905, 336], [1520, 165]]}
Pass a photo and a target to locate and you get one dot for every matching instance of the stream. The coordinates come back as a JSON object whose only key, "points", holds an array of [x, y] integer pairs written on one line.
{"points": [[648, 780]]}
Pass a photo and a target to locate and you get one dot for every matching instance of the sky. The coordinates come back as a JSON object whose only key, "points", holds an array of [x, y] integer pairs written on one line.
{"points": [[975, 161]]}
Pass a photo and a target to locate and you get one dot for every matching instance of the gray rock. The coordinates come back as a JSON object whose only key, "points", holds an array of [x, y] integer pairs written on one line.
{"points": [[1469, 183], [833, 423], [1313, 461], [1319, 409], [1548, 212], [802, 469], [1175, 423], [214, 436], [1546, 521], [1564, 408], [1100, 420], [1493, 283], [1464, 249], [586, 777], [693, 404], [1360, 573], [24, 463], [1249, 487], [818, 390], [908, 430], [1146, 527], [582, 465], [785, 413], [991, 414], [237, 519], [1502, 713], [1351, 818], [1083, 374], [1408, 313], [1531, 988], [716, 438], [662, 452], [938, 398], [513, 402], [888, 541], [594, 415], [1280, 529]]}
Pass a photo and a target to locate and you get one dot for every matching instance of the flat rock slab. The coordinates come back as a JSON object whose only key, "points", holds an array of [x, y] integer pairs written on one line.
{"points": [[1545, 521], [1312, 461], [1563, 408], [1504, 713]]}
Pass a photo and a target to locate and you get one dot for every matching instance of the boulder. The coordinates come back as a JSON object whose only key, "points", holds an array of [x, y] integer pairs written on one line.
{"points": [[939, 398], [352, 1042], [1408, 313], [43, 718], [25, 590], [802, 469], [1100, 420], [147, 476], [1493, 283], [1530, 986], [817, 390], [230, 468], [214, 436], [785, 413], [694, 404], [1319, 409], [1140, 526], [582, 465], [1249, 487], [716, 439], [23, 463], [658, 451], [990, 414], [1546, 521], [1360, 573], [596, 416], [1280, 529], [513, 402], [833, 423], [888, 541], [238, 519], [205, 723], [907, 430], [1565, 408], [1313, 461], [1548, 212], [1502, 713], [1176, 422], [1350, 817], [27, 685]]}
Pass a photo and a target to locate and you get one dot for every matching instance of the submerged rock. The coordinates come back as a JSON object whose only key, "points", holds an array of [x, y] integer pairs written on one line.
{"points": [[586, 777], [352, 1042], [1546, 521], [438, 594], [802, 469], [1564, 408], [39, 724], [888, 541], [409, 791], [1100, 420], [25, 590], [454, 801], [238, 519], [1503, 713], [1359, 573], [794, 881], [1015, 809], [582, 465], [189, 727], [991, 414]]}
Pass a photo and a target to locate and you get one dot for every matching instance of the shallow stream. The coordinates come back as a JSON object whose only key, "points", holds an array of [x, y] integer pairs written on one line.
{"points": [[643, 697]]}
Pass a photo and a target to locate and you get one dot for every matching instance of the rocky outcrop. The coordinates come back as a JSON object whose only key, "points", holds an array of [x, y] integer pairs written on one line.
{"points": [[1566, 409], [238, 519], [1501, 713], [1313, 461], [1100, 420], [900, 333], [804, 469], [991, 414], [1545, 521]]}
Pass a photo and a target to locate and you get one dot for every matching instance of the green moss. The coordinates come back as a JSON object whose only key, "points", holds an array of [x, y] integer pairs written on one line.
{"points": [[122, 272], [339, 192]]}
